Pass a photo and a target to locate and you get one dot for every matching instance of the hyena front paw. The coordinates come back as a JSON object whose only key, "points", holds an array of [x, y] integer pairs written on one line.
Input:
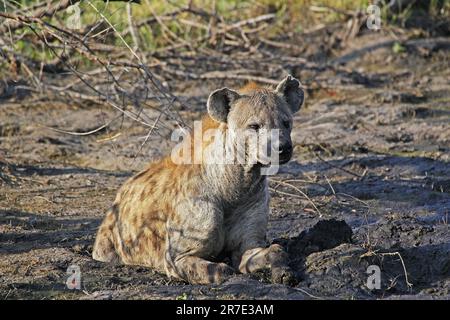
{"points": [[283, 275]]}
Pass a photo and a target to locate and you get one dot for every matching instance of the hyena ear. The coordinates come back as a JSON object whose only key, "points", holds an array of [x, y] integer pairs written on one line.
{"points": [[219, 103], [292, 92]]}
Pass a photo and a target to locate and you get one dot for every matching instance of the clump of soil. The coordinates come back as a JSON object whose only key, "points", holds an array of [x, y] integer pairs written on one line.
{"points": [[325, 234], [331, 266]]}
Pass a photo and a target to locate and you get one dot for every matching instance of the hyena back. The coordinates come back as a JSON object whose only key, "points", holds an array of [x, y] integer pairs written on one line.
{"points": [[183, 219]]}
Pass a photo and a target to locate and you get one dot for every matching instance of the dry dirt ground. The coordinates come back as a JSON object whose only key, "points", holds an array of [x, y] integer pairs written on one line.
{"points": [[369, 185]]}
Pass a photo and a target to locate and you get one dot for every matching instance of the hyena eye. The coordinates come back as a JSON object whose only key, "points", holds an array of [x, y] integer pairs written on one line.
{"points": [[286, 123], [254, 126]]}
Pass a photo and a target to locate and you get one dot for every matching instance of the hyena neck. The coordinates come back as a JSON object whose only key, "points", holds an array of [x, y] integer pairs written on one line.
{"points": [[232, 180], [233, 183]]}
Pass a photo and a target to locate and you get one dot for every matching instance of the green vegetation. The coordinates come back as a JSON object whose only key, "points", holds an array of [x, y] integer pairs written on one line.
{"points": [[292, 16], [155, 24], [398, 48]]}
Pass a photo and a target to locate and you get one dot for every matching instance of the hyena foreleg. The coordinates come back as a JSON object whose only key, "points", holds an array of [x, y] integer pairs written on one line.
{"points": [[195, 234]]}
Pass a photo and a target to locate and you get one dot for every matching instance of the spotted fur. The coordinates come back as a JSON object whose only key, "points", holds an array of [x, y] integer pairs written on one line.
{"points": [[184, 219]]}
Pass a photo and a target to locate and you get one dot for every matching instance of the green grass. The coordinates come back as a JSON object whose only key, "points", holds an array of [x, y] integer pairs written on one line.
{"points": [[293, 16]]}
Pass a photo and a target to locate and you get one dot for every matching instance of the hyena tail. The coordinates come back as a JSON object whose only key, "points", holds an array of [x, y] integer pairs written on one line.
{"points": [[104, 249]]}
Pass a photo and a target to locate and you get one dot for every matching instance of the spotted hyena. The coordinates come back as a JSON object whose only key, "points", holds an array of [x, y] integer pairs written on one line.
{"points": [[186, 219]]}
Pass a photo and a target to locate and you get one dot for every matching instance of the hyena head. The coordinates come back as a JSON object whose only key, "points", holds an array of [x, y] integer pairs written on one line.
{"points": [[264, 113]]}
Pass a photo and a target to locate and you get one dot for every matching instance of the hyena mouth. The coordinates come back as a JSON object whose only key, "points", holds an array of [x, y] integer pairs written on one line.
{"points": [[285, 154], [284, 158]]}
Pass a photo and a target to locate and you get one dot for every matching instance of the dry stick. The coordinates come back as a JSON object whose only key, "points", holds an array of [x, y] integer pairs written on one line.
{"points": [[9, 28], [323, 8], [329, 183], [306, 181], [336, 167], [73, 133], [239, 24], [115, 30], [112, 76], [170, 15], [396, 253], [409, 284], [308, 294], [136, 47], [354, 198], [30, 8], [32, 76], [127, 113], [146, 138], [289, 194], [28, 20], [118, 134], [166, 29], [169, 97], [142, 66], [345, 194], [77, 81], [278, 44], [368, 207], [299, 191], [39, 13], [145, 69], [151, 20], [222, 29], [257, 29], [219, 75], [93, 56], [193, 24], [131, 27], [365, 203]]}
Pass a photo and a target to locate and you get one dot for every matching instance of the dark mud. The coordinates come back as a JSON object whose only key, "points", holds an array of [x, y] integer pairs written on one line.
{"points": [[372, 154]]}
